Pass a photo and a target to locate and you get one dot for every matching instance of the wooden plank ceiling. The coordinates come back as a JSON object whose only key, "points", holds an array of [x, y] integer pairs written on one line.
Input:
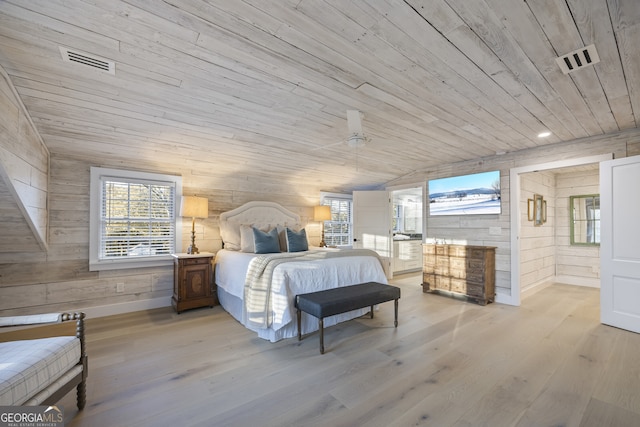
{"points": [[261, 87]]}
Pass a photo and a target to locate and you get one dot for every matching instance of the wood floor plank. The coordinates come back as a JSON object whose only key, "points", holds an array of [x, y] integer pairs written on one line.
{"points": [[619, 385], [505, 403], [465, 371], [448, 363], [599, 413]]}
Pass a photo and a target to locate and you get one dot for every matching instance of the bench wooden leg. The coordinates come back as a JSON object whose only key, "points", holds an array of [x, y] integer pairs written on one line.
{"points": [[321, 327], [372, 312], [299, 315], [395, 305]]}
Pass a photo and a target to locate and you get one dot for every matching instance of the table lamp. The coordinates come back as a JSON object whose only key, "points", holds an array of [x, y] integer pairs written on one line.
{"points": [[194, 207], [322, 213]]}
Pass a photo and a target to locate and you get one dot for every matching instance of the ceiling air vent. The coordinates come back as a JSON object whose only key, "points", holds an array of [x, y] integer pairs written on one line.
{"points": [[88, 60], [578, 59]]}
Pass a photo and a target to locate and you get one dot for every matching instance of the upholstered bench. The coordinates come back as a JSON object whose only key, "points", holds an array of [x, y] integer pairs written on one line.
{"points": [[329, 302], [42, 371]]}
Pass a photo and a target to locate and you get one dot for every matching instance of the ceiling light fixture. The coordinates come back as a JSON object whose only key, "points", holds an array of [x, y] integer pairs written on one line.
{"points": [[544, 134]]}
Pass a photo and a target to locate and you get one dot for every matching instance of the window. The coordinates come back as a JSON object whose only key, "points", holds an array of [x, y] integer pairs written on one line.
{"points": [[398, 215], [585, 219], [339, 230], [132, 219]]}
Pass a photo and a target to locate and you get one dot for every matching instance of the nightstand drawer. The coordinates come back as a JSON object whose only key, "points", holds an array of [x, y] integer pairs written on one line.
{"points": [[195, 261]]}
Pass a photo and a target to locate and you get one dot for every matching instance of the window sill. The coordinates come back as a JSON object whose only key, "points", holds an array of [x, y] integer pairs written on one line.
{"points": [[139, 262]]}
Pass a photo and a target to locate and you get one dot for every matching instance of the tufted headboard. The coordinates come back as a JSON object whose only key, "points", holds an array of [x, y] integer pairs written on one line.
{"points": [[259, 214]]}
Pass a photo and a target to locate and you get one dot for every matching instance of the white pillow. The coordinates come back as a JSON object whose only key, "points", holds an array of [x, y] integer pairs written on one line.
{"points": [[282, 237], [246, 238], [230, 234]]}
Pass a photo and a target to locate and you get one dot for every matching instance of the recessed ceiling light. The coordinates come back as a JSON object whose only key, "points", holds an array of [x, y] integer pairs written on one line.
{"points": [[544, 134]]}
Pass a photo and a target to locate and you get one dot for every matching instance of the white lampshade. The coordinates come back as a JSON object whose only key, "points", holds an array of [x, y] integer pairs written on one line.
{"points": [[194, 207], [322, 213]]}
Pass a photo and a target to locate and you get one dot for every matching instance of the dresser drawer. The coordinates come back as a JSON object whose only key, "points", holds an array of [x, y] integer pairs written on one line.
{"points": [[475, 264], [429, 260], [458, 285], [428, 250], [475, 253], [442, 250], [458, 263], [443, 283], [475, 290]]}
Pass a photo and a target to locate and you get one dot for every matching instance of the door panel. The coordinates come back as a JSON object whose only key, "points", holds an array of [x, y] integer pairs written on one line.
{"points": [[620, 234], [372, 224]]}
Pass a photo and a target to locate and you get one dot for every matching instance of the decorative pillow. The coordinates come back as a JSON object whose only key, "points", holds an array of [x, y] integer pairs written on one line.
{"points": [[230, 233], [246, 238], [297, 240], [282, 237], [266, 243]]}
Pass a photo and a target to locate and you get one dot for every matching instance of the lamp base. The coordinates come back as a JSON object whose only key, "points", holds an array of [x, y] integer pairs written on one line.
{"points": [[193, 249]]}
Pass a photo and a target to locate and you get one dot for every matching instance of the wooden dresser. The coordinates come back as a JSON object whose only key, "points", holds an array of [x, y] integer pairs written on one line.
{"points": [[460, 269]]}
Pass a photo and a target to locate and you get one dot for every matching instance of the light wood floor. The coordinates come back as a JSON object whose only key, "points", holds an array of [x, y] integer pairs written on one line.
{"points": [[449, 363]]}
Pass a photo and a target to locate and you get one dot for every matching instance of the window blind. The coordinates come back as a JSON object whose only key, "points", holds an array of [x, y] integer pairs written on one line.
{"points": [[137, 218], [338, 230]]}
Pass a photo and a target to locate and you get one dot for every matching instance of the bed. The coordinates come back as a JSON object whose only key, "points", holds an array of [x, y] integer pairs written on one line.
{"points": [[258, 289]]}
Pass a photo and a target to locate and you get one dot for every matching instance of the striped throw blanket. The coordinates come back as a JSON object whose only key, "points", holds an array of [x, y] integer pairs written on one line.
{"points": [[257, 288]]}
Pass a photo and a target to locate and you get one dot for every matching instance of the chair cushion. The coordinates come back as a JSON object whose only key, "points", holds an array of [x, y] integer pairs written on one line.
{"points": [[29, 366]]}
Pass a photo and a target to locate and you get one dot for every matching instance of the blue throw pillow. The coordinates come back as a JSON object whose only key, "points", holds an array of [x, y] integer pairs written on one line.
{"points": [[266, 243], [297, 241]]}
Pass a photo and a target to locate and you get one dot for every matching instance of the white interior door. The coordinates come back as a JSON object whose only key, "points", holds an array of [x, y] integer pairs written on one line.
{"points": [[619, 250], [372, 224]]}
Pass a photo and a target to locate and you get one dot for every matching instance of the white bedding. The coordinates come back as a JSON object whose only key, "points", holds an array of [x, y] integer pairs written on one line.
{"points": [[290, 279]]}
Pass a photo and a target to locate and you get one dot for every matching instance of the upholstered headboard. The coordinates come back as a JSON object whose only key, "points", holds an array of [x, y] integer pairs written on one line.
{"points": [[260, 214]]}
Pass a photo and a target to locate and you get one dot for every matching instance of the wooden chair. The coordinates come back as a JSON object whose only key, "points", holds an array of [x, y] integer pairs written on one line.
{"points": [[41, 371]]}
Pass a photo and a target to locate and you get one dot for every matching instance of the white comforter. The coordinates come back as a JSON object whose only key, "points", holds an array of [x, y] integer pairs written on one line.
{"points": [[290, 279]]}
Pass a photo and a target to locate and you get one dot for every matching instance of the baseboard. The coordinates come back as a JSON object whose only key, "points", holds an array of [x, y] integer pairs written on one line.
{"points": [[579, 281], [536, 287], [126, 307]]}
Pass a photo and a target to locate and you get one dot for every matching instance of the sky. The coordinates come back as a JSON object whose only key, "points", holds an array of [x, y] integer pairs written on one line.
{"points": [[465, 182]]}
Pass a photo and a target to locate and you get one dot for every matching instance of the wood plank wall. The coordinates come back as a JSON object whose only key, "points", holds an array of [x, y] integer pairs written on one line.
{"points": [[537, 243], [59, 279], [24, 170]]}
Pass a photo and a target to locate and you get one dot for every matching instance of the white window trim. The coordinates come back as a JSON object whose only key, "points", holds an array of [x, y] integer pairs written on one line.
{"points": [[96, 264]]}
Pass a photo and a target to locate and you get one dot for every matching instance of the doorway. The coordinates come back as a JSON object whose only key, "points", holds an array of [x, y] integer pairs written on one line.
{"points": [[407, 225], [525, 237]]}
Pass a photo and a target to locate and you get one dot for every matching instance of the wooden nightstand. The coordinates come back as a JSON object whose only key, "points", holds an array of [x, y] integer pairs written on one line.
{"points": [[192, 281]]}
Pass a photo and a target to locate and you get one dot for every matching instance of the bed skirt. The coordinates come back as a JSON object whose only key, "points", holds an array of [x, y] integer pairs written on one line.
{"points": [[233, 306]]}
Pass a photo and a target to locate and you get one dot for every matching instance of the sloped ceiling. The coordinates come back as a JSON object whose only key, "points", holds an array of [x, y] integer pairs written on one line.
{"points": [[17, 236], [261, 87]]}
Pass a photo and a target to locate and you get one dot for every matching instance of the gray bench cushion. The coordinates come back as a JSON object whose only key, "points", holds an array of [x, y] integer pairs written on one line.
{"points": [[328, 302]]}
